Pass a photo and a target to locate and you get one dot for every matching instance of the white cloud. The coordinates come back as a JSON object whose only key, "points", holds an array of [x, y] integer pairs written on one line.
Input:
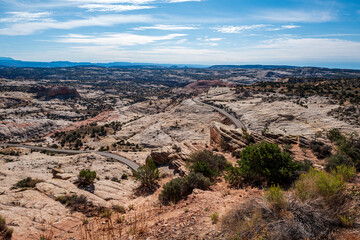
{"points": [[117, 39], [28, 28], [286, 15], [178, 1], [283, 27], [25, 17], [113, 1], [238, 29], [113, 8], [289, 26], [278, 51], [206, 41], [132, 1], [308, 49], [166, 27]]}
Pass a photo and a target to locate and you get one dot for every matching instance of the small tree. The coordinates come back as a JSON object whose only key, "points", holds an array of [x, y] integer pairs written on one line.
{"points": [[147, 175], [87, 177], [207, 163], [264, 162]]}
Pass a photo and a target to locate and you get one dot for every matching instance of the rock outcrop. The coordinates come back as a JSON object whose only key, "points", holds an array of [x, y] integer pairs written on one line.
{"points": [[229, 138], [61, 92], [174, 156]]}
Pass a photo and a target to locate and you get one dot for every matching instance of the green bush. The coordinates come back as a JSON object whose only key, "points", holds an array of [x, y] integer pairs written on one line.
{"points": [[348, 173], [207, 163], [73, 200], [27, 183], [234, 177], [275, 195], [265, 162], [330, 186], [172, 191], [337, 160], [315, 184], [195, 180], [147, 175], [214, 217], [87, 177], [179, 188], [5, 232]]}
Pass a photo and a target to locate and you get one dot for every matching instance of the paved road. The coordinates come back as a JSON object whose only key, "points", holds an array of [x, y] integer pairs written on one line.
{"points": [[237, 122], [119, 158]]}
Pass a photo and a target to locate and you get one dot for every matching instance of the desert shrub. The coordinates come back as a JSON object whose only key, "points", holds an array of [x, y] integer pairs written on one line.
{"points": [[337, 160], [247, 136], [27, 183], [275, 195], [335, 135], [306, 165], [80, 204], [119, 209], [73, 200], [147, 175], [348, 173], [207, 163], [5, 232], [195, 180], [320, 149], [234, 177], [214, 217], [315, 184], [349, 146], [265, 162], [330, 186], [172, 191], [352, 150], [180, 188], [87, 177], [256, 219]]}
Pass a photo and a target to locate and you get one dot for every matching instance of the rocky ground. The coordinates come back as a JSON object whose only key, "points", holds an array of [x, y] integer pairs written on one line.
{"points": [[278, 114], [28, 211], [167, 130]]}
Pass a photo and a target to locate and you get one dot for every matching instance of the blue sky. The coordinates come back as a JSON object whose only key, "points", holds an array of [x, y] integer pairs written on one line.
{"points": [[294, 32]]}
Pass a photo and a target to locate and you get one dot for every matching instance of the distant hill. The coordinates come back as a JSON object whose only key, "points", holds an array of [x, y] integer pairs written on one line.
{"points": [[9, 62], [250, 66]]}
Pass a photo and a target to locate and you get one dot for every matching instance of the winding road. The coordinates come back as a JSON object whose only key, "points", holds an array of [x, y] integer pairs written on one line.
{"points": [[131, 164], [237, 122]]}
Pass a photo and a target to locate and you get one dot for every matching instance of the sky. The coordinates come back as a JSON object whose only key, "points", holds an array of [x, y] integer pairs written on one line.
{"points": [[285, 32]]}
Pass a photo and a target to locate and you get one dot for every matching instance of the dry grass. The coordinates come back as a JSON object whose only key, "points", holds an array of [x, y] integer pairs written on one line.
{"points": [[113, 225], [316, 208]]}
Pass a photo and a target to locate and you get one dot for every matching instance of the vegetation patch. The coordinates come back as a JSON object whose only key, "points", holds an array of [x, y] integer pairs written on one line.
{"points": [[320, 207], [180, 188], [263, 163], [147, 176], [209, 164], [86, 177], [5, 232], [27, 183], [79, 204]]}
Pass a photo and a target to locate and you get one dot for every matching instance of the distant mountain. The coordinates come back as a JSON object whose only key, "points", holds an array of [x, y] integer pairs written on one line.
{"points": [[250, 66], [9, 62]]}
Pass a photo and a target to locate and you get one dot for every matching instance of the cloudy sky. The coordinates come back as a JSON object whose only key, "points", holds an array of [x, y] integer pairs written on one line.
{"points": [[296, 32]]}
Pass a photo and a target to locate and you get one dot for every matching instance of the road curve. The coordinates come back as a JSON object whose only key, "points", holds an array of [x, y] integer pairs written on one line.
{"points": [[237, 122], [131, 164]]}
